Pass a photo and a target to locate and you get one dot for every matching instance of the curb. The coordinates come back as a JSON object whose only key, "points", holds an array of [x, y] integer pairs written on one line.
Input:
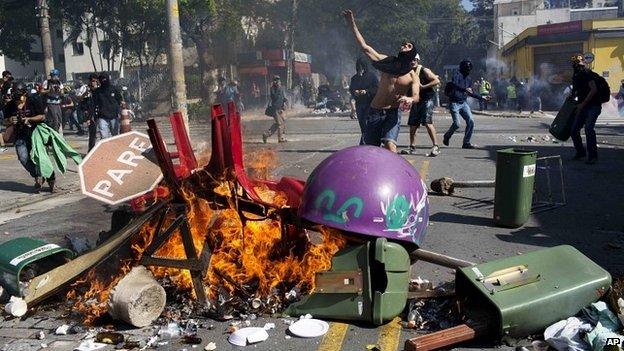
{"points": [[33, 200]]}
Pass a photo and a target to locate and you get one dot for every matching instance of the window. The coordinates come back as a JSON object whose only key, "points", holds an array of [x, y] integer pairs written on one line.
{"points": [[78, 49]]}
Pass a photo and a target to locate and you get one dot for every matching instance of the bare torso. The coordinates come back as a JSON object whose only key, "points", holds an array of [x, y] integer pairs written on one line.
{"points": [[390, 90]]}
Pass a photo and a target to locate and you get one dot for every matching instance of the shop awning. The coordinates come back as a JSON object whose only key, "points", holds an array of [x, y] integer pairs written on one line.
{"points": [[254, 71]]}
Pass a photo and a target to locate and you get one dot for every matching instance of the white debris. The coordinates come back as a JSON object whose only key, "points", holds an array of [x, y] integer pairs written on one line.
{"points": [[16, 307], [269, 326], [287, 321], [287, 337], [62, 330], [89, 345], [307, 316], [211, 346], [43, 345], [172, 330], [41, 335], [247, 323], [151, 342]]}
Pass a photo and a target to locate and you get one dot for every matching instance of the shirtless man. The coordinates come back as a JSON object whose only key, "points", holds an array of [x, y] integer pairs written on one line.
{"points": [[399, 85]]}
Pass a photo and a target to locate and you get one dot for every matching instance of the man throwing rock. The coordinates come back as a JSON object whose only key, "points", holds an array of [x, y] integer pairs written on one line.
{"points": [[399, 85]]}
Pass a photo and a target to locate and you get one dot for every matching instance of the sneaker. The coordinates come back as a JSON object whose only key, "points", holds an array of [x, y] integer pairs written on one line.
{"points": [[591, 161], [408, 151], [282, 140], [3, 149], [264, 138], [469, 146], [435, 151], [51, 184], [37, 186], [446, 140]]}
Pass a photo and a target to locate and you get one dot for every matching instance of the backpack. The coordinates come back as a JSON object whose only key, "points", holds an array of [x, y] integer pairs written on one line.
{"points": [[604, 92]]}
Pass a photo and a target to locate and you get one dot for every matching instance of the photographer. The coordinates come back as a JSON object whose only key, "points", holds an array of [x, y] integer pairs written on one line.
{"points": [[24, 113]]}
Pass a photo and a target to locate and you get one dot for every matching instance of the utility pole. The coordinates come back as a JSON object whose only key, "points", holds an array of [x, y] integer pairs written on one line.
{"points": [[176, 63], [46, 39], [291, 45]]}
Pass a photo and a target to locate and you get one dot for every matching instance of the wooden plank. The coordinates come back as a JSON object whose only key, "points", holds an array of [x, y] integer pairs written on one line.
{"points": [[430, 294], [48, 283], [446, 337]]}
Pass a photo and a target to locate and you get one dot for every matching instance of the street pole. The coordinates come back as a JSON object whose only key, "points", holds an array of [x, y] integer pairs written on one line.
{"points": [[291, 45], [46, 39], [176, 63]]}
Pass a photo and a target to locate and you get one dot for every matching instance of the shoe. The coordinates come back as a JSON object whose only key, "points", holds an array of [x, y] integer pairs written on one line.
{"points": [[446, 140], [37, 186], [435, 151], [51, 184], [282, 140], [591, 161], [469, 146], [409, 151], [578, 157], [264, 138], [3, 149]]}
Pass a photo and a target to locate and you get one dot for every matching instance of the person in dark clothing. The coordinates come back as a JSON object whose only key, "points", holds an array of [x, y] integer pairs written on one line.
{"points": [[107, 101], [24, 113], [461, 89], [421, 113], [53, 90], [278, 104], [585, 89], [363, 88], [87, 107]]}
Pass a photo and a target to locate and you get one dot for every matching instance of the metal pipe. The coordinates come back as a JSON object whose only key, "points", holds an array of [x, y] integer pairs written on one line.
{"points": [[440, 259]]}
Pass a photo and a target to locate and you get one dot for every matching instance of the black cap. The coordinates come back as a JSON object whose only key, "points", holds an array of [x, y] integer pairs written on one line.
{"points": [[6, 73]]}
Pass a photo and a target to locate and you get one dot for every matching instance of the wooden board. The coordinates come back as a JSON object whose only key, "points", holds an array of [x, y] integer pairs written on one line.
{"points": [[446, 337]]}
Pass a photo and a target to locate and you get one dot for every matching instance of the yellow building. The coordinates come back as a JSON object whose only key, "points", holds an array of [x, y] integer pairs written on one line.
{"points": [[544, 52]]}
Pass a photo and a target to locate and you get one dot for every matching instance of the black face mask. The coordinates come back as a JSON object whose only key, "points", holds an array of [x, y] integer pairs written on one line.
{"points": [[397, 65]]}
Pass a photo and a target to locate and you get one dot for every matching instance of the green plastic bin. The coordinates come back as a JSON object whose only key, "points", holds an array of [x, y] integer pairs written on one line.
{"points": [[513, 195], [19, 253], [367, 283], [524, 294]]}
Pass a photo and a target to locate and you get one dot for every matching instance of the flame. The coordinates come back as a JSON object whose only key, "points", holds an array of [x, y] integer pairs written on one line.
{"points": [[262, 253], [261, 163]]}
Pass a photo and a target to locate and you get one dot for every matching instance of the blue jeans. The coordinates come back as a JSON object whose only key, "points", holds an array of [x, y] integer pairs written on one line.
{"points": [[462, 109], [107, 127], [22, 149], [587, 118], [382, 126], [362, 113]]}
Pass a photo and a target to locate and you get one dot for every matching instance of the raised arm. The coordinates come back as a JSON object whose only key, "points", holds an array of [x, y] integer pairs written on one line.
{"points": [[369, 51], [433, 79]]}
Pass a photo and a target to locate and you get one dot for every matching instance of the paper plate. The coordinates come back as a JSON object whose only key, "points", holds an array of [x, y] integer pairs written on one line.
{"points": [[309, 328], [246, 336]]}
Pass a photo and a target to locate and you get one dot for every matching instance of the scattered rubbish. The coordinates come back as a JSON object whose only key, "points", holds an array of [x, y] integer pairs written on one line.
{"points": [[287, 337], [256, 303], [76, 329], [269, 326], [172, 330], [41, 335], [150, 342], [539, 345], [306, 316], [79, 244], [110, 338], [62, 330], [43, 345], [16, 307], [211, 346], [287, 321], [309, 328], [245, 336], [138, 299], [567, 335], [531, 139], [89, 345], [513, 138], [447, 337]]}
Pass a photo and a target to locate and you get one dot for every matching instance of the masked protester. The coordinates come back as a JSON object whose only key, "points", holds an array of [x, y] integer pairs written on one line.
{"points": [[107, 101], [460, 89], [87, 106], [398, 87], [363, 88], [53, 91], [24, 113], [585, 89]]}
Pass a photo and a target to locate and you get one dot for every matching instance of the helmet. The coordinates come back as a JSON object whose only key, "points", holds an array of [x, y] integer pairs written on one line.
{"points": [[368, 190], [55, 72]]}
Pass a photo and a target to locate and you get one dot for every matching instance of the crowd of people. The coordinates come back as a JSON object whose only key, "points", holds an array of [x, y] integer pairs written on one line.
{"points": [[406, 85], [35, 116]]}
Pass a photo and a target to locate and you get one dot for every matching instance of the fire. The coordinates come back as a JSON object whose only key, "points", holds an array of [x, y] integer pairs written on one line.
{"points": [[261, 255]]}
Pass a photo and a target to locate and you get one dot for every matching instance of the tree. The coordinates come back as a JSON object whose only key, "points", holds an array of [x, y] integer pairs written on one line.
{"points": [[18, 26]]}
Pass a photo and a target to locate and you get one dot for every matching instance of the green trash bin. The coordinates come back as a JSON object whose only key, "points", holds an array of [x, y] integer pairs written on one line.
{"points": [[524, 294], [366, 283], [515, 176]]}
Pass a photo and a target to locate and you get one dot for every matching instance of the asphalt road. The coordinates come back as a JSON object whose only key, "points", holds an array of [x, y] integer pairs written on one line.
{"points": [[461, 225]]}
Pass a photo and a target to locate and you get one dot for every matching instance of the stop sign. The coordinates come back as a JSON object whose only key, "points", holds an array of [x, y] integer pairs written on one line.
{"points": [[120, 168]]}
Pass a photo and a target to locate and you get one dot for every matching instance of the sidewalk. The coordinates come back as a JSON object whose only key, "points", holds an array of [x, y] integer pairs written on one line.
{"points": [[515, 114]]}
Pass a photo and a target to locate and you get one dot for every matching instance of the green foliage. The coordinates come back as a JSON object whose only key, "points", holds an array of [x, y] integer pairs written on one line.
{"points": [[18, 24]]}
